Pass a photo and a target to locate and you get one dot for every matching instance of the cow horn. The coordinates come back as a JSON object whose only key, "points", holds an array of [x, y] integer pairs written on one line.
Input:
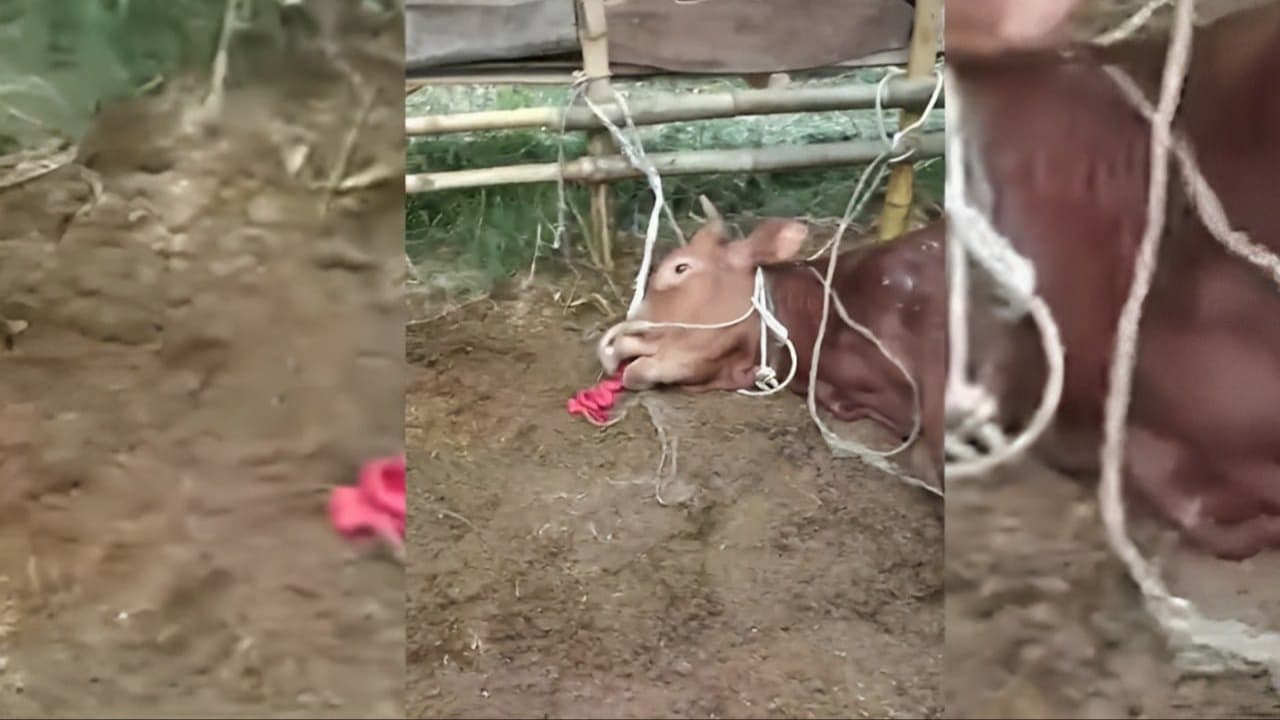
{"points": [[713, 215]]}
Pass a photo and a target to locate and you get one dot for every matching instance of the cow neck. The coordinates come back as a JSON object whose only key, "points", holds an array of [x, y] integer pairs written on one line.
{"points": [[788, 302]]}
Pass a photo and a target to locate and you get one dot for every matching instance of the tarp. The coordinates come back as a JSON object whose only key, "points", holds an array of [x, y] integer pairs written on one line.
{"points": [[454, 32], [705, 37], [753, 36]]}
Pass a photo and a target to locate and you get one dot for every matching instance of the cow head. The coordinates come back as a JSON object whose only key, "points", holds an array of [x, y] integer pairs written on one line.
{"points": [[988, 27], [707, 282]]}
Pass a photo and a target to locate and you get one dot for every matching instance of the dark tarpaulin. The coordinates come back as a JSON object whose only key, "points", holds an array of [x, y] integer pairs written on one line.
{"points": [[688, 36], [454, 32], [753, 36]]}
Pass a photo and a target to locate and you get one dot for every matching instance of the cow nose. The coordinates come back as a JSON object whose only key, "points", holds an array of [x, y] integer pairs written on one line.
{"points": [[607, 349], [608, 355]]}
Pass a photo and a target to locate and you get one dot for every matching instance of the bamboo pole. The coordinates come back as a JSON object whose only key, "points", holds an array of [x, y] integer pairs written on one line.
{"points": [[615, 167], [665, 107], [593, 34], [924, 50]]}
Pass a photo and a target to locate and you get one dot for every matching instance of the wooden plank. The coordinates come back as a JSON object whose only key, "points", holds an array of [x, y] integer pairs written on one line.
{"points": [[754, 36]]}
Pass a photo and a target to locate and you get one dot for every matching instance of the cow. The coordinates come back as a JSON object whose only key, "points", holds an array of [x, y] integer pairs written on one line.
{"points": [[896, 289], [1065, 158]]}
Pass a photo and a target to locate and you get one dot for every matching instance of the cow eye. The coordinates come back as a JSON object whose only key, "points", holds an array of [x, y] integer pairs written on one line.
{"points": [[681, 268]]}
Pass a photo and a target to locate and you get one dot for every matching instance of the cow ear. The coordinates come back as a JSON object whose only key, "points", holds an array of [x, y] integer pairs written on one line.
{"points": [[773, 241]]}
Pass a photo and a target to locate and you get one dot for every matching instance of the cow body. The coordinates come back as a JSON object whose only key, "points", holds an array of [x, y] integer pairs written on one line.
{"points": [[896, 289], [1066, 158]]}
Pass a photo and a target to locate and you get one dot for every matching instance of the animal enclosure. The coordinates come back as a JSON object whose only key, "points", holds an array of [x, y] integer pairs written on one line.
{"points": [[762, 47], [723, 565]]}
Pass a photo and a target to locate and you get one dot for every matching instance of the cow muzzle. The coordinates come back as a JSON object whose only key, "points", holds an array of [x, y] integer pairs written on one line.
{"points": [[623, 342]]}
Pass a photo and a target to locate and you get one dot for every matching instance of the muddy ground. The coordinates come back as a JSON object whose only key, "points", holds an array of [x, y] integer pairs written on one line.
{"points": [[1042, 620], [208, 352], [547, 579]]}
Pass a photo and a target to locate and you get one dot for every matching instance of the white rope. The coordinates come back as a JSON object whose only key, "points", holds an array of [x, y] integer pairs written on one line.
{"points": [[766, 379], [1133, 24], [867, 454], [633, 150], [761, 303], [892, 142], [861, 193], [1201, 643], [972, 412], [895, 141], [1206, 643], [1014, 276], [1201, 194]]}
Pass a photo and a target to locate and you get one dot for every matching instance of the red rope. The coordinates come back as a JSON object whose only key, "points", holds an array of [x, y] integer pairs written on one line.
{"points": [[595, 402], [375, 506]]}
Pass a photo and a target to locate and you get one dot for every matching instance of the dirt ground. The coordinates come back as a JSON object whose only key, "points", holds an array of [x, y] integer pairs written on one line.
{"points": [[1042, 620], [551, 575], [207, 354]]}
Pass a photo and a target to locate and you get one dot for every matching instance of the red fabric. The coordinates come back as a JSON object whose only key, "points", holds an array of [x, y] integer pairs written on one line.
{"points": [[595, 402], [375, 506]]}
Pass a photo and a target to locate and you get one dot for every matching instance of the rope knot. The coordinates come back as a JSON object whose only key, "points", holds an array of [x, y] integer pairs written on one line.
{"points": [[1013, 275], [766, 378], [909, 132]]}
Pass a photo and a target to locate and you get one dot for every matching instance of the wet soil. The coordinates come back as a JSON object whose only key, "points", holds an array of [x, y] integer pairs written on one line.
{"points": [[1043, 621], [554, 572], [209, 350]]}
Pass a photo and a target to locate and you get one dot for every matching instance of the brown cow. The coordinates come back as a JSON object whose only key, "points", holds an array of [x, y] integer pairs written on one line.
{"points": [[1066, 158], [896, 289]]}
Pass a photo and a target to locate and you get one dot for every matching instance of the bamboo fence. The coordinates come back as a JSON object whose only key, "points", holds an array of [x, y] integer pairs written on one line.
{"points": [[602, 165], [607, 168], [924, 42], [657, 108], [593, 35]]}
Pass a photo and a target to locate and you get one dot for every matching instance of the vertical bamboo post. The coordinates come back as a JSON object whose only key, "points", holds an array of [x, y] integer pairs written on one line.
{"points": [[924, 50], [592, 33]]}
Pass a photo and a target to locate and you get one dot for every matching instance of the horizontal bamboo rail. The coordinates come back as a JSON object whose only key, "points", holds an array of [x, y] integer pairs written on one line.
{"points": [[616, 167], [657, 108]]}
